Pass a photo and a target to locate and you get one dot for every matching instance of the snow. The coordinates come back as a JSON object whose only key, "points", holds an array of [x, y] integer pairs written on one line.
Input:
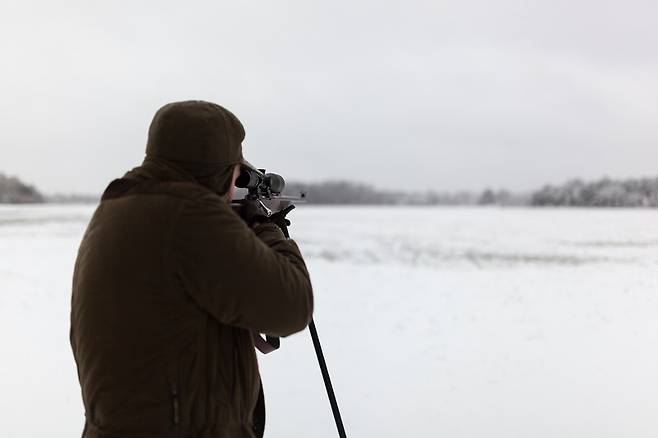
{"points": [[455, 322]]}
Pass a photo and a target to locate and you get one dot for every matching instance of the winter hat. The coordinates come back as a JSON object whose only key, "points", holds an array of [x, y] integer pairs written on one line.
{"points": [[202, 138]]}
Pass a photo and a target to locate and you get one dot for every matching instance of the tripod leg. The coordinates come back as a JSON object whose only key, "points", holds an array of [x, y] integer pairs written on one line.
{"points": [[323, 369], [327, 380]]}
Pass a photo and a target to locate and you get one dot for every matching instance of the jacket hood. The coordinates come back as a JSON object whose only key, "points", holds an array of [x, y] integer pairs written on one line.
{"points": [[157, 169], [199, 139], [197, 132]]}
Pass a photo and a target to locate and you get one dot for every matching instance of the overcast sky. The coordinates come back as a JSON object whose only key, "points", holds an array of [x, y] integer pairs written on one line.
{"points": [[432, 94]]}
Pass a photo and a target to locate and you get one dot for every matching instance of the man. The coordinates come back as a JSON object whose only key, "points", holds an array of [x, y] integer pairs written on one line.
{"points": [[170, 283]]}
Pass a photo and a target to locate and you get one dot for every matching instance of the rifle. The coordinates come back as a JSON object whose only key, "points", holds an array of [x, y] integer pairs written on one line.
{"points": [[264, 192]]}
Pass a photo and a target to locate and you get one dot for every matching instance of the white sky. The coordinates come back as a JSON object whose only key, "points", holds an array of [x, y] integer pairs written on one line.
{"points": [[423, 94]]}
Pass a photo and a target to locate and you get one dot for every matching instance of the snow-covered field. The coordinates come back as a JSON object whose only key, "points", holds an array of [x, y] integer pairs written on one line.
{"points": [[446, 322]]}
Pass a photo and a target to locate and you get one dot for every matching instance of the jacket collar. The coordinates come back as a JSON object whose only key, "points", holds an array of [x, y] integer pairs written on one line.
{"points": [[159, 170]]}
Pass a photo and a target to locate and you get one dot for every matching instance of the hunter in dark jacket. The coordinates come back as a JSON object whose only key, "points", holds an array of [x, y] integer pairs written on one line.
{"points": [[170, 283]]}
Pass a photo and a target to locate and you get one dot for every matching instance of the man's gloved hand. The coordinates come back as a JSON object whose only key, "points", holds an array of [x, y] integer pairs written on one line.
{"points": [[253, 213], [279, 218]]}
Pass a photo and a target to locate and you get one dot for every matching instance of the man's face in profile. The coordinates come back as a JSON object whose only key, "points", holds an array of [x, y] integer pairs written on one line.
{"points": [[231, 191]]}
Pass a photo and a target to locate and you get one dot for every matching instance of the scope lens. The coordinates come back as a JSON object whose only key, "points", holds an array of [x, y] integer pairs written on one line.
{"points": [[275, 182]]}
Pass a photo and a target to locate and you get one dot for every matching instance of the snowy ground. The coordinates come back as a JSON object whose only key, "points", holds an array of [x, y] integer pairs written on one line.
{"points": [[447, 322]]}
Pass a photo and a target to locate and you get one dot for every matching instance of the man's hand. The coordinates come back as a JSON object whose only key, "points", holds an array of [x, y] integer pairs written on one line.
{"points": [[279, 218], [254, 214]]}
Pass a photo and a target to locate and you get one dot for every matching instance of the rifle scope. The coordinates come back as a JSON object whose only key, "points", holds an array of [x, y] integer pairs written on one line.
{"points": [[260, 182]]}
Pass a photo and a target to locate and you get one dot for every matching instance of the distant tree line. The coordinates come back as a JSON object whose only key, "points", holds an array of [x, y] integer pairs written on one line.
{"points": [[503, 198], [351, 193], [13, 191], [577, 193], [602, 193], [59, 198]]}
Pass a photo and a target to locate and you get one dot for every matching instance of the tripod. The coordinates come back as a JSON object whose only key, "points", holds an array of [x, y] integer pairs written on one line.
{"points": [[274, 344]]}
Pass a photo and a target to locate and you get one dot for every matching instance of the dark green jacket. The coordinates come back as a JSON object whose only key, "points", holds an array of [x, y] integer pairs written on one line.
{"points": [[168, 284]]}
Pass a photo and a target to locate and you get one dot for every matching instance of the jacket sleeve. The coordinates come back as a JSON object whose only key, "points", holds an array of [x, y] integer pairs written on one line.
{"points": [[254, 279]]}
